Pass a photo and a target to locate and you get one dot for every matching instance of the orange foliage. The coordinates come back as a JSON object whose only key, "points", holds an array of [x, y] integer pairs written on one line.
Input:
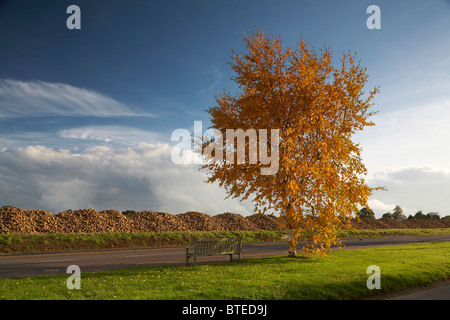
{"points": [[317, 108]]}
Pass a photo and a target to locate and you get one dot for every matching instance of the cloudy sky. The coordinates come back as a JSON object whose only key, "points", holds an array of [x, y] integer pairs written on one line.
{"points": [[86, 115]]}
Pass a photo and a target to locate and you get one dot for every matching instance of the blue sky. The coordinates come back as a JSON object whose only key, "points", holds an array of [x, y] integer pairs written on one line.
{"points": [[109, 95]]}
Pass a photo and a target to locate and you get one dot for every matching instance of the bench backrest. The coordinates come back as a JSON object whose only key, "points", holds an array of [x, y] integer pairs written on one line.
{"points": [[217, 246]]}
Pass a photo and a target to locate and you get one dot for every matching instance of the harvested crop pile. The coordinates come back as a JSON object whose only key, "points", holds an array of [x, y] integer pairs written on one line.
{"points": [[197, 221], [149, 221], [232, 221], [16, 220], [91, 221], [426, 223], [372, 223], [264, 222], [386, 223]]}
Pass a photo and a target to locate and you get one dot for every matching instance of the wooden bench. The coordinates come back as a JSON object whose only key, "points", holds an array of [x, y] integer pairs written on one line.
{"points": [[211, 247]]}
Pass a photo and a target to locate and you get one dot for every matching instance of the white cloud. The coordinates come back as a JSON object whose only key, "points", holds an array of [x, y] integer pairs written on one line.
{"points": [[379, 207], [141, 177], [38, 98], [113, 133], [413, 188], [415, 136], [408, 151]]}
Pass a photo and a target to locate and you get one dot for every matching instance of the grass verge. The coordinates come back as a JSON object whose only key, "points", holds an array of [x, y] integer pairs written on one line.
{"points": [[22, 243], [25, 243], [342, 275]]}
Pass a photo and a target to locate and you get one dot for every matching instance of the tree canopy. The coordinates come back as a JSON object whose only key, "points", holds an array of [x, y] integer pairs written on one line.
{"points": [[366, 213], [317, 108]]}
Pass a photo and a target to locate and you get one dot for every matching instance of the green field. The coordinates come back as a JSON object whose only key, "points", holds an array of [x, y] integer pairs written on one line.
{"points": [[342, 275], [20, 243]]}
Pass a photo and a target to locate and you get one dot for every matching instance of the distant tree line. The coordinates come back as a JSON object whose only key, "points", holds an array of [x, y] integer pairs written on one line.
{"points": [[398, 214]]}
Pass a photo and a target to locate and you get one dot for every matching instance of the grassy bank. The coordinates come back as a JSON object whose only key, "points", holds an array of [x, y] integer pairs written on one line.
{"points": [[340, 276], [23, 243], [18, 243]]}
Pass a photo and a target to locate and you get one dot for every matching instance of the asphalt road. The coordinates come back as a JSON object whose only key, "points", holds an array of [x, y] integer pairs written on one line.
{"points": [[438, 291], [35, 264]]}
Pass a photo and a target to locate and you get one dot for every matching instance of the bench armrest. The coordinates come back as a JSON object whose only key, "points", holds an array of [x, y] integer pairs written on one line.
{"points": [[189, 247]]}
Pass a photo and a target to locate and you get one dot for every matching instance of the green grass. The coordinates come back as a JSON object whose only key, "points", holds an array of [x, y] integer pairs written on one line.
{"points": [[342, 275], [21, 243]]}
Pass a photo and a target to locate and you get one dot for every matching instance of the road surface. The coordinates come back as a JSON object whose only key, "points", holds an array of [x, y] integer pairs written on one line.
{"points": [[439, 291], [35, 264]]}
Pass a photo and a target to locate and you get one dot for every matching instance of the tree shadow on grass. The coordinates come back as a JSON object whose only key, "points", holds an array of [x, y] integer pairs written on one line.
{"points": [[356, 289], [278, 260], [343, 290]]}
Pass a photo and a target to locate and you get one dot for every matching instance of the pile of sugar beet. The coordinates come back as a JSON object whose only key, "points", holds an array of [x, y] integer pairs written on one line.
{"points": [[16, 220]]}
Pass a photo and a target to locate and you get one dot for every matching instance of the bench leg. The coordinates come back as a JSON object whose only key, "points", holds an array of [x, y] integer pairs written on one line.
{"points": [[231, 257]]}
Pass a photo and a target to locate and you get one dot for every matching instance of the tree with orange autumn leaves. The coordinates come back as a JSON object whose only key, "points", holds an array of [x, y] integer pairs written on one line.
{"points": [[316, 107]]}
